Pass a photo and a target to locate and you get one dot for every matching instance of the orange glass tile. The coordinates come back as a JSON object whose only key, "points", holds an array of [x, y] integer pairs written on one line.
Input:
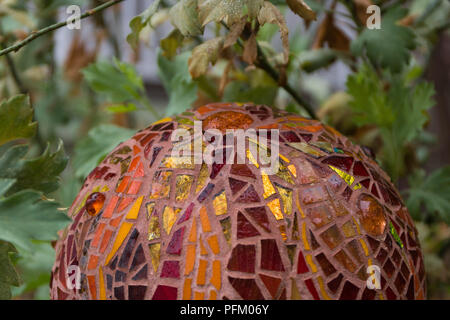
{"points": [[204, 220], [187, 290], [93, 262], [204, 109], [203, 250], [134, 164], [115, 222], [199, 295], [136, 150], [193, 233], [98, 234], [110, 207], [92, 287], [134, 187], [124, 203], [214, 244], [121, 235], [190, 259], [216, 280], [134, 211], [105, 240], [201, 275], [102, 284], [139, 171], [123, 184], [212, 295]]}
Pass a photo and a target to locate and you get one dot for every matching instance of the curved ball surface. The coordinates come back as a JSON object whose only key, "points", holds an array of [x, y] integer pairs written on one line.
{"points": [[327, 224]]}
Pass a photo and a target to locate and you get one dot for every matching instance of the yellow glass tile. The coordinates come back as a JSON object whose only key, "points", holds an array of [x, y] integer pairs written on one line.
{"points": [[349, 179], [162, 121], [150, 207], [104, 189], [286, 198], [283, 232], [121, 235], [182, 162], [213, 295], [297, 202], [305, 239], [183, 187], [199, 295], [216, 275], [155, 254], [202, 178], [357, 186], [204, 220], [348, 229], [169, 217], [134, 211], [252, 159], [357, 225], [201, 273], [214, 244], [220, 203], [295, 294], [284, 174], [102, 284], [193, 233], [293, 170], [187, 289], [322, 289], [154, 229], [268, 187], [364, 246], [306, 148], [275, 208], [190, 259], [310, 261]]}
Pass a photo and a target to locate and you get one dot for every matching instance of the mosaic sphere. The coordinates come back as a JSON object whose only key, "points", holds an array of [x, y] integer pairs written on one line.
{"points": [[326, 224]]}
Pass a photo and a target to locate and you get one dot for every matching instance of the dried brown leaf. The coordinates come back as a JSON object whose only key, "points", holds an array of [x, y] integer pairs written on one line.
{"points": [[204, 54], [250, 53], [329, 33], [361, 10], [235, 32], [300, 8]]}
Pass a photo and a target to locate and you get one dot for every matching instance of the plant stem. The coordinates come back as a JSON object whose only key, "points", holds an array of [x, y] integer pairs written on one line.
{"points": [[36, 34]]}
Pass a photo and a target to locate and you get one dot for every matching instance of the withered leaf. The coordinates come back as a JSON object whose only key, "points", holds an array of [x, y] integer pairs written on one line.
{"points": [[235, 32], [329, 33], [250, 50], [229, 11], [184, 16], [302, 9], [203, 54]]}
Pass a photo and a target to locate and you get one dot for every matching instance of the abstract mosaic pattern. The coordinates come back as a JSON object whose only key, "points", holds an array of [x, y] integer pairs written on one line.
{"points": [[149, 226]]}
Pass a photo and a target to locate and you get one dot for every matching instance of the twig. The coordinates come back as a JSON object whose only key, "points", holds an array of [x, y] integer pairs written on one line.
{"points": [[12, 69], [36, 34]]}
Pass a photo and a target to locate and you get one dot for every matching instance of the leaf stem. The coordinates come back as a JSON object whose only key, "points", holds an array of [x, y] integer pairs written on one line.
{"points": [[36, 34]]}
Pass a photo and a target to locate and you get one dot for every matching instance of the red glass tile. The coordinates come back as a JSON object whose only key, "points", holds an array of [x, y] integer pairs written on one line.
{"points": [[236, 185], [400, 283], [333, 285], [176, 243], [165, 136], [390, 294], [410, 292], [359, 169], [163, 292], [312, 289], [171, 269], [272, 284], [349, 292], [187, 213], [242, 170], [136, 292], [147, 138], [389, 268], [244, 228], [368, 294], [373, 243], [242, 258], [343, 163], [247, 288], [270, 256], [327, 268], [366, 183], [134, 187], [382, 255], [290, 136], [249, 195], [301, 264], [347, 194], [306, 137], [260, 216]]}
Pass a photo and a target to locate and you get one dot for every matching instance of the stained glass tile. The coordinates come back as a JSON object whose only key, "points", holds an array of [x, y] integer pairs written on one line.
{"points": [[291, 250], [183, 186], [134, 211], [155, 153], [161, 185], [345, 261], [286, 198], [187, 213], [242, 259], [121, 235], [260, 216], [333, 285], [141, 274], [214, 244], [236, 185], [314, 243], [343, 163], [295, 232], [176, 243], [220, 203], [244, 228], [226, 229], [275, 208], [312, 289], [170, 269], [242, 170], [169, 217], [139, 258], [285, 174], [320, 215], [270, 256], [201, 272], [126, 254], [246, 288], [348, 229], [94, 203], [119, 293], [306, 148], [164, 292], [216, 275], [272, 284], [349, 292], [155, 254], [371, 215], [313, 194], [205, 193], [359, 169], [332, 237], [154, 229], [202, 177], [327, 268], [389, 268], [120, 276], [249, 195], [302, 267]]}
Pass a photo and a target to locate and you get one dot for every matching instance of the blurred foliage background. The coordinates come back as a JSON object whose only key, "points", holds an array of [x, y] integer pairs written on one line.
{"points": [[386, 89]]}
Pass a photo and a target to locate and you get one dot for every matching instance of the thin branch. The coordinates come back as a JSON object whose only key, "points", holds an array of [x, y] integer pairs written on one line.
{"points": [[36, 34], [13, 69]]}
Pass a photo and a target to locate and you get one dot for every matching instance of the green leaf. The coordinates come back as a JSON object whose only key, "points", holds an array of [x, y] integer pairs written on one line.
{"points": [[240, 91], [8, 274], [24, 217], [177, 81], [41, 173], [5, 184], [431, 194], [118, 81], [100, 141], [122, 108], [184, 16], [389, 46], [139, 22], [16, 116]]}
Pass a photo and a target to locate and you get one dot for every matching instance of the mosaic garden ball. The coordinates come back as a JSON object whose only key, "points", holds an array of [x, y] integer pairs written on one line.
{"points": [[327, 224]]}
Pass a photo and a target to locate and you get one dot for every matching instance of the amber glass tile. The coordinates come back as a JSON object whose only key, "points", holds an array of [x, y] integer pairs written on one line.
{"points": [[272, 284], [320, 215], [332, 237], [345, 261], [327, 268]]}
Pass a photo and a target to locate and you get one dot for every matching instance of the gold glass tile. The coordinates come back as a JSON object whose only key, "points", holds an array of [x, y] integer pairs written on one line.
{"points": [[202, 178], [306, 148], [286, 198], [155, 254], [169, 218], [161, 185], [183, 162], [348, 229], [220, 203], [154, 230], [226, 228], [285, 174], [150, 208], [183, 186], [268, 187], [275, 208]]}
